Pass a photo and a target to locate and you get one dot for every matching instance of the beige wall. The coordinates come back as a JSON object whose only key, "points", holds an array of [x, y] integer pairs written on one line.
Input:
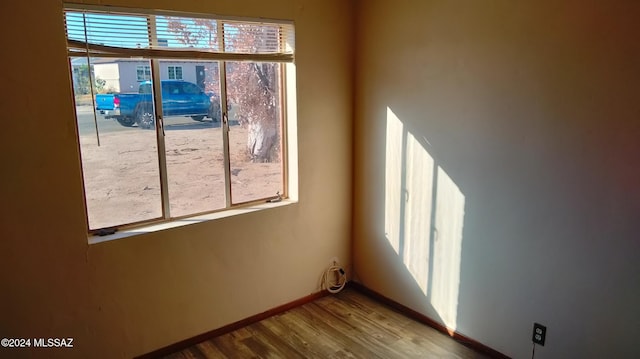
{"points": [[530, 113], [134, 295]]}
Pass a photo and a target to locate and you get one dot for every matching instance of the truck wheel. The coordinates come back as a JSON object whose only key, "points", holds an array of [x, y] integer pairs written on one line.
{"points": [[144, 117], [214, 112], [198, 118], [126, 121]]}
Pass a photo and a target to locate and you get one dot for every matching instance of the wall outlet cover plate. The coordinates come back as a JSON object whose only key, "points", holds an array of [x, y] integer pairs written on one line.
{"points": [[539, 333]]}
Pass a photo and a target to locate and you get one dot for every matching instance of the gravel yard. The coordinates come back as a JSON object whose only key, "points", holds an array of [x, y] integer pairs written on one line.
{"points": [[122, 183]]}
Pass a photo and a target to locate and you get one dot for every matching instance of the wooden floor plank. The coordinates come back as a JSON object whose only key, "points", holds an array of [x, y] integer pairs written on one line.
{"points": [[346, 325], [359, 331], [274, 344], [310, 346], [232, 346], [386, 333], [310, 334], [343, 336], [394, 324], [370, 323], [423, 336], [209, 350]]}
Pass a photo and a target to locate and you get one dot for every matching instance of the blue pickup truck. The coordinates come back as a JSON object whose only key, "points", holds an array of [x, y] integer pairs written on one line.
{"points": [[179, 98]]}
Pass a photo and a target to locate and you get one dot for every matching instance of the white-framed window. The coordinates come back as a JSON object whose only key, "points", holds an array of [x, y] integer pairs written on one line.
{"points": [[222, 141], [143, 73], [175, 72]]}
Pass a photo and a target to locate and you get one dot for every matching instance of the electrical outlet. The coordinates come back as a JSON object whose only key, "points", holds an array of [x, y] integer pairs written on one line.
{"points": [[539, 333]]}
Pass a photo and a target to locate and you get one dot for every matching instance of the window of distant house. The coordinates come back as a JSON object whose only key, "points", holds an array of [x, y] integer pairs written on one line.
{"points": [[175, 72], [143, 73], [159, 150]]}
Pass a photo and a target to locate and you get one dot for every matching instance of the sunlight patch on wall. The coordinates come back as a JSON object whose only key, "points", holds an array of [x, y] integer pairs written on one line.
{"points": [[424, 216], [393, 180], [417, 213], [449, 217]]}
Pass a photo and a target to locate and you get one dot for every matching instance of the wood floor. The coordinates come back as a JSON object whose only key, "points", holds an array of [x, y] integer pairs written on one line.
{"points": [[346, 325]]}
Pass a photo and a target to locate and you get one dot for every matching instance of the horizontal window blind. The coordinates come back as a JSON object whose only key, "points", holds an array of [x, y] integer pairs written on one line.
{"points": [[135, 34]]}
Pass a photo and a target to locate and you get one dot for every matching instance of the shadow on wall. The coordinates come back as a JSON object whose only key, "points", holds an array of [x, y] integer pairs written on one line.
{"points": [[423, 219]]}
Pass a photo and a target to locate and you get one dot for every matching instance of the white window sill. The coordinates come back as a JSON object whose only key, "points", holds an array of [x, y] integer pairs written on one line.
{"points": [[93, 239]]}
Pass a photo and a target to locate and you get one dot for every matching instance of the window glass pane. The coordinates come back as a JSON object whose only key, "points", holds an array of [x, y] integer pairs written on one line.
{"points": [[143, 72], [184, 32], [121, 175], [190, 88], [145, 87], [255, 135], [251, 38], [175, 72], [116, 30], [193, 140]]}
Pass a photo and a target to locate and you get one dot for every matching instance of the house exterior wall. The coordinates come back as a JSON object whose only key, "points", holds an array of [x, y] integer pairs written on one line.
{"points": [[109, 73], [129, 74], [188, 70], [121, 75]]}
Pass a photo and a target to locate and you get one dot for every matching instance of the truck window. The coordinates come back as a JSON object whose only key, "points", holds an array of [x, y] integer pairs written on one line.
{"points": [[191, 89], [145, 88], [173, 88]]}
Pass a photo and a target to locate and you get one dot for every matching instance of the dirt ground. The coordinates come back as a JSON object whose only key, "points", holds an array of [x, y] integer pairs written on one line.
{"points": [[122, 181]]}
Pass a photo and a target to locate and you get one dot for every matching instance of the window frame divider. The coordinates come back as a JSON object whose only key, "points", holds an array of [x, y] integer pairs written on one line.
{"points": [[224, 123], [82, 48]]}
